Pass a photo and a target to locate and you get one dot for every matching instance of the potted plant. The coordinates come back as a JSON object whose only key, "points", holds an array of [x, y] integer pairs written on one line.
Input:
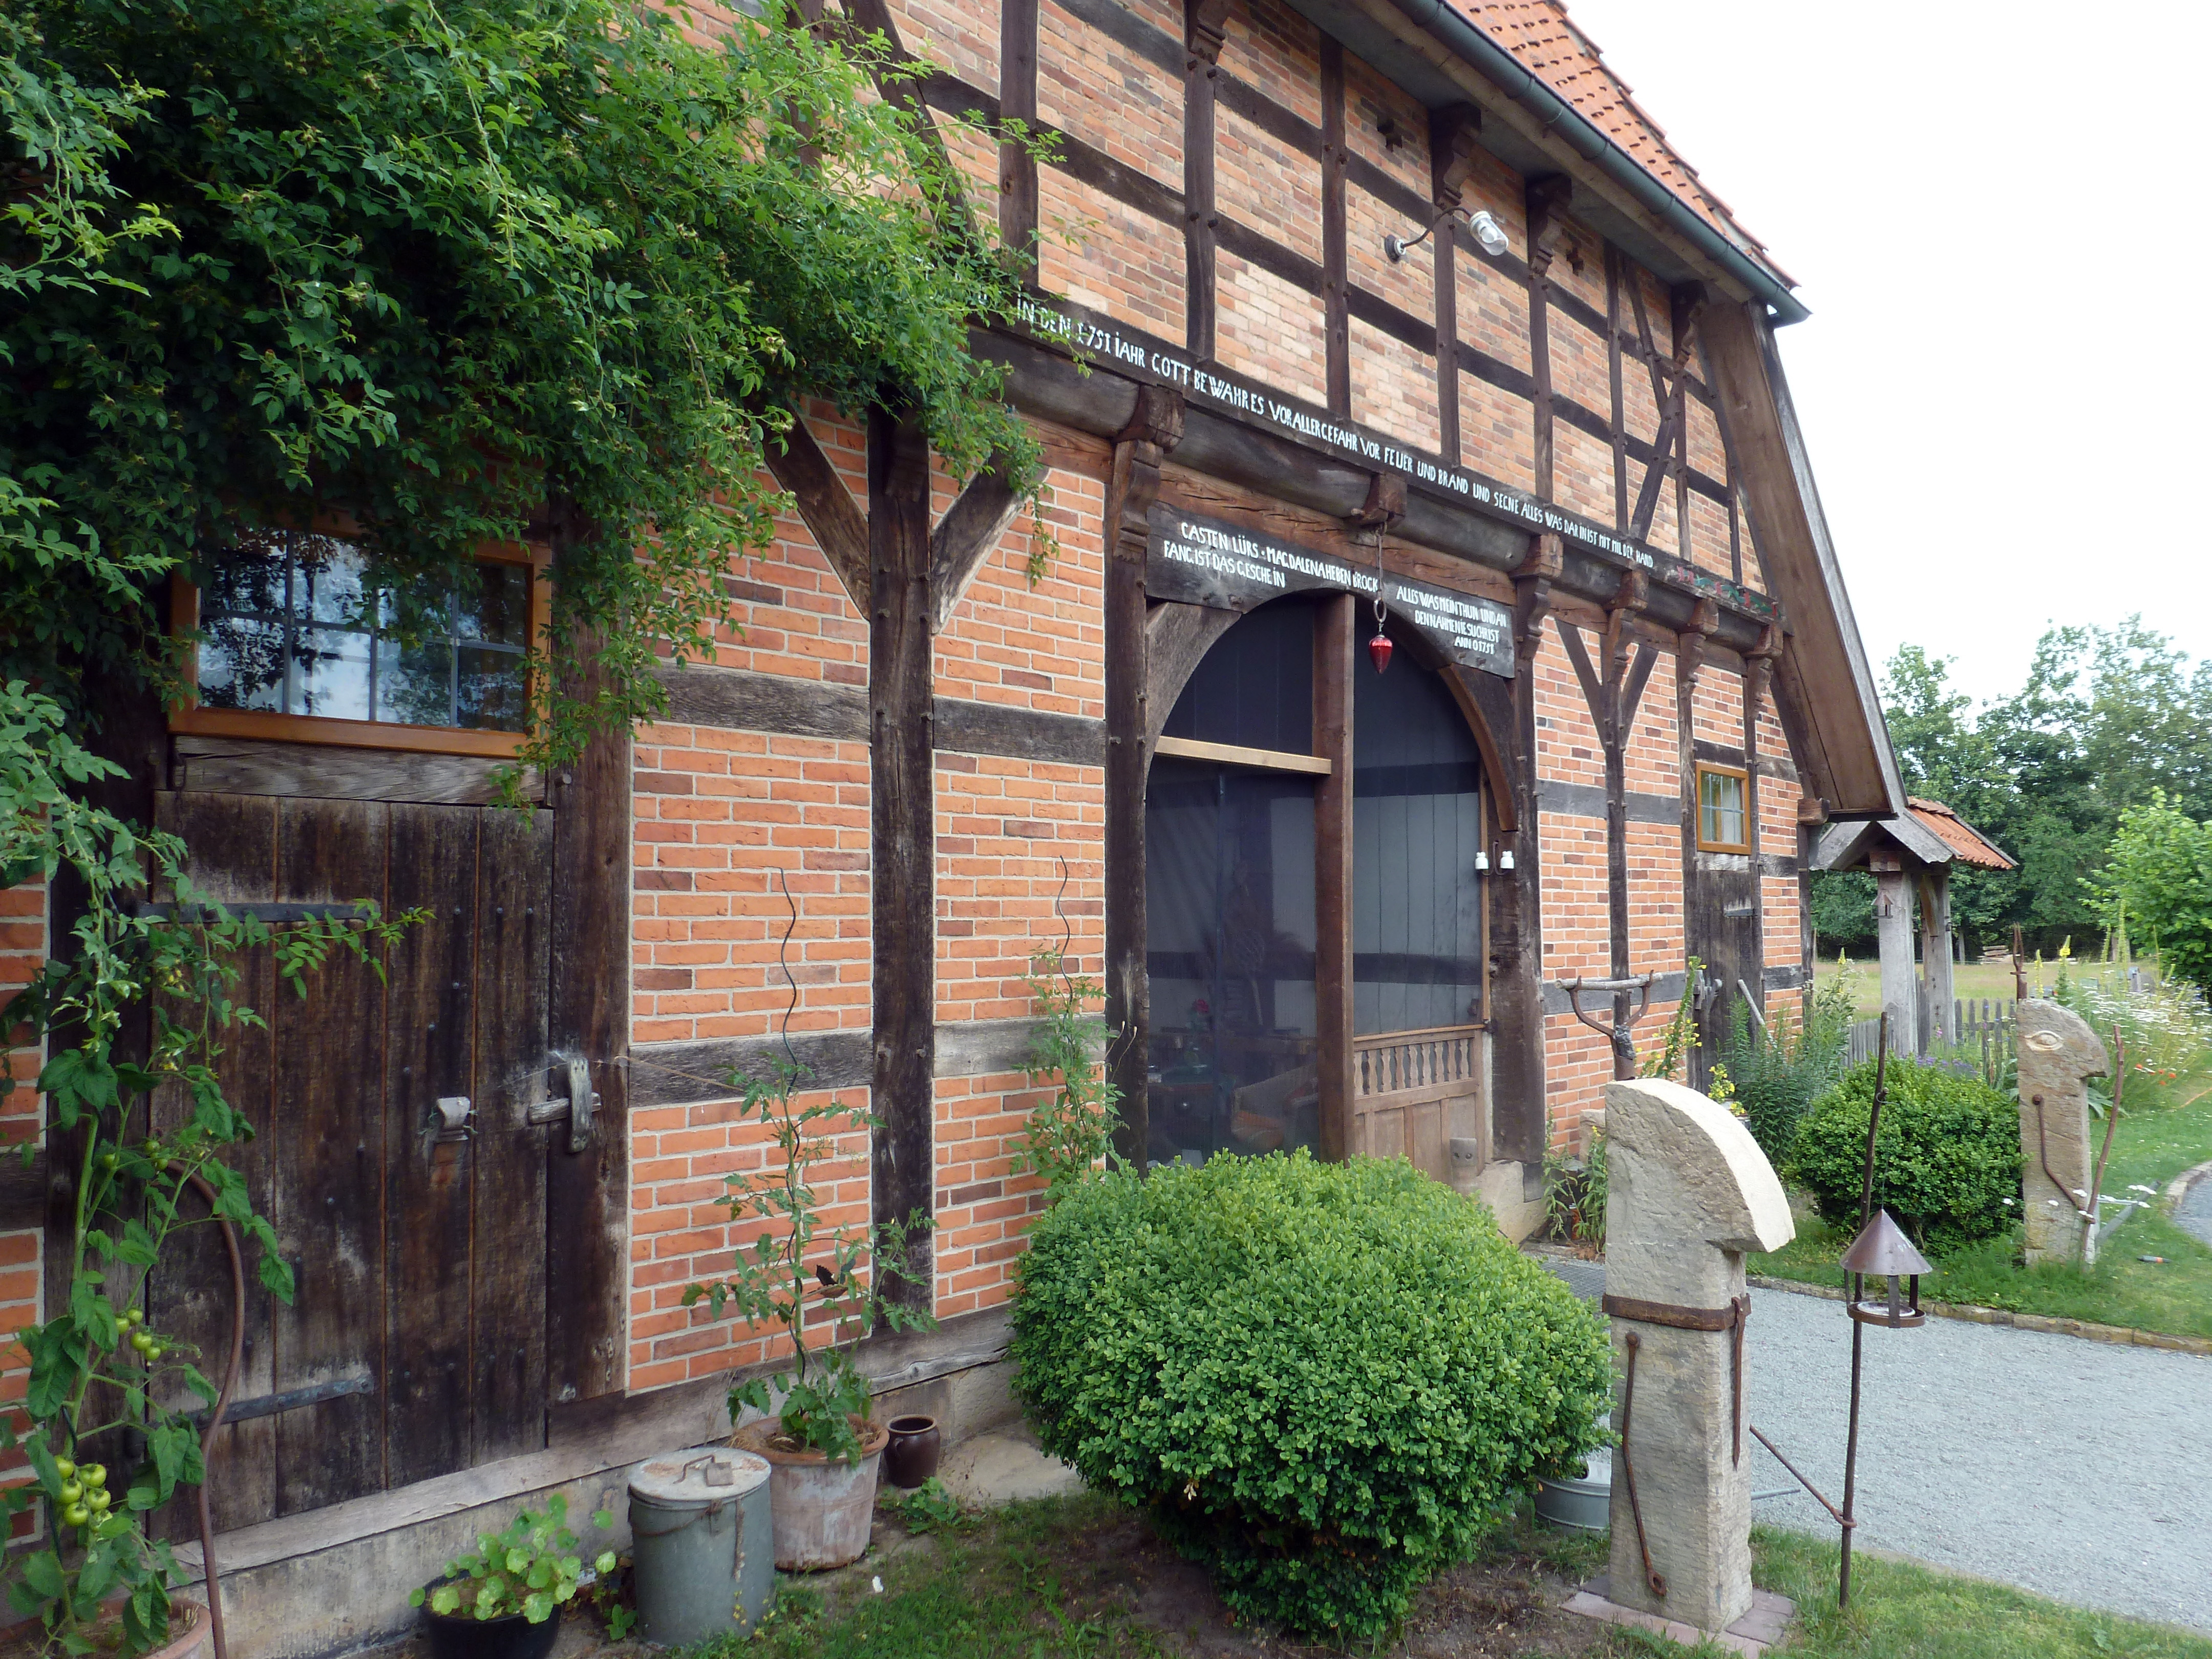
{"points": [[137, 997], [503, 1601], [823, 1284]]}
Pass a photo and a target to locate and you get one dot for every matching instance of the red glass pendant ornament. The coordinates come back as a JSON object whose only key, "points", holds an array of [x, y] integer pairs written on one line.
{"points": [[1379, 648]]}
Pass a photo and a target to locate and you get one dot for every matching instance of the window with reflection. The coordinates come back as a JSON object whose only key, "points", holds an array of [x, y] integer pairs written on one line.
{"points": [[1723, 824], [294, 623]]}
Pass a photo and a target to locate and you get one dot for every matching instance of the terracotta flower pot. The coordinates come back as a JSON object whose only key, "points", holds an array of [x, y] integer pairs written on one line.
{"points": [[461, 1635], [189, 1627], [820, 1511], [911, 1457]]}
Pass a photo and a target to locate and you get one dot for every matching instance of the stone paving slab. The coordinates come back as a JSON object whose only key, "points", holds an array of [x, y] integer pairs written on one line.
{"points": [[1765, 1625]]}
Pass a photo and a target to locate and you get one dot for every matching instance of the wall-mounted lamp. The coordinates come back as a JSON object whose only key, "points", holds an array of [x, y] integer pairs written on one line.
{"points": [[1489, 235]]}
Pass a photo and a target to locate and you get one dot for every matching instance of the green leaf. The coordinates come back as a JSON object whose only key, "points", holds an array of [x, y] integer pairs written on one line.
{"points": [[443, 1600]]}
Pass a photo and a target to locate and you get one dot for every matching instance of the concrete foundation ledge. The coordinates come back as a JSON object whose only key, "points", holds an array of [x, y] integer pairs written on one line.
{"points": [[335, 1581]]}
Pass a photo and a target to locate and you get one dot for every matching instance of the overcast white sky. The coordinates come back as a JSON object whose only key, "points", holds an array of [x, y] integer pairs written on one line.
{"points": [[1995, 214]]}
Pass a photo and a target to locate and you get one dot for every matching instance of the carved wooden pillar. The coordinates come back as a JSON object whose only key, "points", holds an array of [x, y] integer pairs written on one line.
{"points": [[1516, 943], [903, 885], [1132, 487]]}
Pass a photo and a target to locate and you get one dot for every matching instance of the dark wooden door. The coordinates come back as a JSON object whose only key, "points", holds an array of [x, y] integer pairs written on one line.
{"points": [[1724, 929], [416, 1343]]}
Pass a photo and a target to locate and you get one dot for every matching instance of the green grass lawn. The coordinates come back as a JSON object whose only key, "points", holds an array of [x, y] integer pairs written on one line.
{"points": [[1968, 979], [1903, 1611], [1079, 1578], [2149, 1148]]}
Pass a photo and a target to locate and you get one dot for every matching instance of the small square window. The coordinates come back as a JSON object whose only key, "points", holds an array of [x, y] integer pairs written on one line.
{"points": [[1721, 821]]}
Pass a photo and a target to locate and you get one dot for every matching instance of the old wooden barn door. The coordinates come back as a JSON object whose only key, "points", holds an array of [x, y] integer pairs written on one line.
{"points": [[417, 1231]]}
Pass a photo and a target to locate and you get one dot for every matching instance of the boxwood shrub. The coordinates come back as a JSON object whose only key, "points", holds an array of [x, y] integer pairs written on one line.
{"points": [[1323, 1381], [1947, 1166]]}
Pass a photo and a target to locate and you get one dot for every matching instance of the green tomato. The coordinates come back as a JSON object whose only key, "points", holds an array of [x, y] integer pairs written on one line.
{"points": [[98, 1502], [135, 1317], [109, 1161], [140, 1342], [75, 1515], [64, 1467], [151, 1147], [71, 1492], [156, 1352], [93, 1475]]}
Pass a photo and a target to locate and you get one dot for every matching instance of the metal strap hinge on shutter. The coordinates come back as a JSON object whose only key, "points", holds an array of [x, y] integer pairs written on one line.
{"points": [[580, 1106]]}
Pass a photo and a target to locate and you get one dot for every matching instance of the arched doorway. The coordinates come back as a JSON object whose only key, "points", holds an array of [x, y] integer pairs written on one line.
{"points": [[1231, 840]]}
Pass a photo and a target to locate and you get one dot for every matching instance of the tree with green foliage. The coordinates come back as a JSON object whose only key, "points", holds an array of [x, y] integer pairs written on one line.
{"points": [[489, 273], [2106, 718], [475, 273], [2159, 866]]}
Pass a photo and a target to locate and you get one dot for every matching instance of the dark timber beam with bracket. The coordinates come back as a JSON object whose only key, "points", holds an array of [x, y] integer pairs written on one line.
{"points": [[1205, 23], [1614, 689], [1548, 199], [907, 577], [1452, 158], [1335, 302], [1154, 427]]}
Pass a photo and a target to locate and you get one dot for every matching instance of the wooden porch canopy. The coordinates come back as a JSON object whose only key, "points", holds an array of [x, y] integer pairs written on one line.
{"points": [[1917, 848]]}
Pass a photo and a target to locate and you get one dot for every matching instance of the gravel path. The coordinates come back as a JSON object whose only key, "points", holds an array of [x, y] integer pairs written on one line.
{"points": [[2193, 1215], [2076, 1469]]}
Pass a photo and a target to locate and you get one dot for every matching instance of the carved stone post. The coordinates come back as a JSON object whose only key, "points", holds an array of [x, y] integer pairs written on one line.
{"points": [[1691, 1192], [2058, 1055]]}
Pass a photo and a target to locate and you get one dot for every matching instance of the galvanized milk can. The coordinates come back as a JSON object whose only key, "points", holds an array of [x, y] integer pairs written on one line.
{"points": [[703, 1558]]}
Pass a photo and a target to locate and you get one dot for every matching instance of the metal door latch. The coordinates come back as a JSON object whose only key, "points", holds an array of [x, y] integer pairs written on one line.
{"points": [[579, 1106], [453, 1112]]}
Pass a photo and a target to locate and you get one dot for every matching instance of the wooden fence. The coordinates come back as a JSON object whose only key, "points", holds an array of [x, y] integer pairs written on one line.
{"points": [[1981, 1027]]}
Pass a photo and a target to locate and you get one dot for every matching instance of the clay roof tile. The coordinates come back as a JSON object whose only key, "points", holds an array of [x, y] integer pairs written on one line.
{"points": [[1541, 37]]}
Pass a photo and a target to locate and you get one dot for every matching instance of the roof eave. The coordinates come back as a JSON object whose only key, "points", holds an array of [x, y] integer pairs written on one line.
{"points": [[1383, 31]]}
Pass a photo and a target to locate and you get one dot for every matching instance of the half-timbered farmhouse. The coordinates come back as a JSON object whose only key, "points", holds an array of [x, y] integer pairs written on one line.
{"points": [[1436, 611]]}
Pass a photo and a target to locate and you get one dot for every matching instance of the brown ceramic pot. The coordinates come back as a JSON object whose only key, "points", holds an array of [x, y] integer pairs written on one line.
{"points": [[911, 1457]]}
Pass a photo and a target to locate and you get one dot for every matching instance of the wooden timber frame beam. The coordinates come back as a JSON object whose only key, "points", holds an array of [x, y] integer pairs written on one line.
{"points": [[1204, 26], [1334, 283], [902, 840], [1613, 689], [1452, 159], [587, 1193], [905, 577], [1518, 1126], [1547, 198], [1018, 102], [1155, 426], [1689, 666], [1825, 696]]}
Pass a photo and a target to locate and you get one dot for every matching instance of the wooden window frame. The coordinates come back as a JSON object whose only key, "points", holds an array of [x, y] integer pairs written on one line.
{"points": [[1743, 775], [187, 717]]}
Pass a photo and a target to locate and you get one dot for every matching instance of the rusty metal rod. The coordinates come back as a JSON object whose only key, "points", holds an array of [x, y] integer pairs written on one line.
{"points": [[1651, 1575], [1799, 1479], [1850, 1472], [2090, 1225]]}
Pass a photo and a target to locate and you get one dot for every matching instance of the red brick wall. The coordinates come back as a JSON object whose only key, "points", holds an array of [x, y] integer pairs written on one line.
{"points": [[22, 950]]}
